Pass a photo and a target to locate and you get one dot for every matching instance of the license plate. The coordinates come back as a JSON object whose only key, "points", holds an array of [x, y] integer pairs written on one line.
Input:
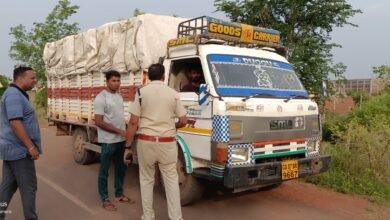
{"points": [[289, 169]]}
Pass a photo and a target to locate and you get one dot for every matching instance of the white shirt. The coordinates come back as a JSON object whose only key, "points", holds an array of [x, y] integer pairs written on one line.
{"points": [[110, 105]]}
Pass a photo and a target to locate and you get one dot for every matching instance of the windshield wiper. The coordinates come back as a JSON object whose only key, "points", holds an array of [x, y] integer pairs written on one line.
{"points": [[257, 95], [295, 96]]}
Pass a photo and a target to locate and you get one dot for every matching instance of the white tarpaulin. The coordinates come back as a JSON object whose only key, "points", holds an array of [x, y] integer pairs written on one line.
{"points": [[125, 46]]}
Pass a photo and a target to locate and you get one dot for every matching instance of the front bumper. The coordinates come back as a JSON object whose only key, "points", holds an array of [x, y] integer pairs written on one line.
{"points": [[271, 173]]}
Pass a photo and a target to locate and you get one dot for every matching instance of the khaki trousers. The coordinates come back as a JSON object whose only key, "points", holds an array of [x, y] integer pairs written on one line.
{"points": [[165, 155]]}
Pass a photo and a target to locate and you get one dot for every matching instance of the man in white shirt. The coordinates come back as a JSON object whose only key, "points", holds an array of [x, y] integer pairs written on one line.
{"points": [[110, 122]]}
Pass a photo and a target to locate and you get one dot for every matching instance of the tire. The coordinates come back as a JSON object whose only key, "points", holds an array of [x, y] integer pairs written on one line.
{"points": [[80, 154], [191, 188]]}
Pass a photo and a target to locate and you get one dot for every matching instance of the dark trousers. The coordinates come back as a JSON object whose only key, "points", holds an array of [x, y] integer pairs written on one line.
{"points": [[19, 174], [110, 152]]}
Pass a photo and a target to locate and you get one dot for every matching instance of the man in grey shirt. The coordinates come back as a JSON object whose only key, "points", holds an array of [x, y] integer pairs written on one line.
{"points": [[20, 143], [110, 122]]}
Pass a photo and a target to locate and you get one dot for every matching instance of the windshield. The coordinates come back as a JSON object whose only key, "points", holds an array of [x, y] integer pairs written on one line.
{"points": [[245, 76]]}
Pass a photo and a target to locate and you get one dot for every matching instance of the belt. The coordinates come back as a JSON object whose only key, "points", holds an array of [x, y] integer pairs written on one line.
{"points": [[155, 138]]}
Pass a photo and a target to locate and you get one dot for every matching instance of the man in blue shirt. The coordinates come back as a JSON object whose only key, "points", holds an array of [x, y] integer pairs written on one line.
{"points": [[20, 143]]}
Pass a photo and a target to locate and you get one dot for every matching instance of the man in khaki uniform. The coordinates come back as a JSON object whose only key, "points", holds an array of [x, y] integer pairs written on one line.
{"points": [[154, 111]]}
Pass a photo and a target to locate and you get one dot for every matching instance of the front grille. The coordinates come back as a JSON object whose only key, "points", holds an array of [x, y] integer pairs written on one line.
{"points": [[279, 150], [273, 147]]}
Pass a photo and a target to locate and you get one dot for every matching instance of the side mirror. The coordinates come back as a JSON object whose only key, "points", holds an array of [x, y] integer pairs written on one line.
{"points": [[204, 94]]}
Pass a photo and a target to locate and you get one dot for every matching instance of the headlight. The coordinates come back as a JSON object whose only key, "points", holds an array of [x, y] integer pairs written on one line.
{"points": [[312, 146], [315, 126], [235, 128], [239, 155]]}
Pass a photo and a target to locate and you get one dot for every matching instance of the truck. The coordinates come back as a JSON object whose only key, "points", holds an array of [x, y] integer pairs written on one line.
{"points": [[250, 125]]}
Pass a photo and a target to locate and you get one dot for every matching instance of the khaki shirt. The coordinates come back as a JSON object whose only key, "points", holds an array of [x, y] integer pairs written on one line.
{"points": [[160, 106]]}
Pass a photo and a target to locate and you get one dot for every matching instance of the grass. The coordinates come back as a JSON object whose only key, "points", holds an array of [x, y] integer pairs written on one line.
{"points": [[344, 177]]}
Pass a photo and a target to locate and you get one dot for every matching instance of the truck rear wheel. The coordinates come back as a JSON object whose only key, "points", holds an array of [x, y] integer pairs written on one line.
{"points": [[80, 154], [191, 188]]}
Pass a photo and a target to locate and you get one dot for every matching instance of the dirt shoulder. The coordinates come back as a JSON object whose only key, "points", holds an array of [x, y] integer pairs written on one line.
{"points": [[356, 207]]}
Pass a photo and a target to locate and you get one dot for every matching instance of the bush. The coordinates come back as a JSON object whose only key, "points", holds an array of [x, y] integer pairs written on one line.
{"points": [[41, 98], [334, 127], [378, 105], [350, 174], [359, 97], [360, 149], [4, 82]]}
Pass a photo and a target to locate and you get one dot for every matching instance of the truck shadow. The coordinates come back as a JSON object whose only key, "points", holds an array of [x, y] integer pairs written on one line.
{"points": [[215, 192]]}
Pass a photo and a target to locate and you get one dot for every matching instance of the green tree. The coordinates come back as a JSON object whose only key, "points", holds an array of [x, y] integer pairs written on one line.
{"points": [[305, 28], [29, 45], [4, 83], [383, 73], [137, 12]]}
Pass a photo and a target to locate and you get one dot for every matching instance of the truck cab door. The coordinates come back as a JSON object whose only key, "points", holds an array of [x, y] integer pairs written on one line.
{"points": [[193, 90]]}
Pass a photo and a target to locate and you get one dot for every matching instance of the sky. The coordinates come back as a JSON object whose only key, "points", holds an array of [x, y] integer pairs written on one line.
{"points": [[362, 47]]}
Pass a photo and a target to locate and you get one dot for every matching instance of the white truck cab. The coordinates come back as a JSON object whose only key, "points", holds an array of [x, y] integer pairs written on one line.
{"points": [[251, 124]]}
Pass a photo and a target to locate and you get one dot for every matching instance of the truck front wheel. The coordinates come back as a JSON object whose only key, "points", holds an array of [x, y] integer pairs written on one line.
{"points": [[80, 154], [191, 188]]}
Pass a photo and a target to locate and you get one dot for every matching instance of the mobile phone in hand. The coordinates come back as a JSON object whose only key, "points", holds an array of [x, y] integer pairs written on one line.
{"points": [[129, 157]]}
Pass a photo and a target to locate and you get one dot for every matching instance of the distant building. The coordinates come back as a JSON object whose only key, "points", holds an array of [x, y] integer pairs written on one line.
{"points": [[369, 86], [343, 104]]}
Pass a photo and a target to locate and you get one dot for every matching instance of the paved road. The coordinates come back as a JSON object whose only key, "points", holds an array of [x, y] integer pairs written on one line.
{"points": [[67, 190]]}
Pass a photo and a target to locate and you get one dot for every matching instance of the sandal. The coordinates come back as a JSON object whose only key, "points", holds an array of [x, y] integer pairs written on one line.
{"points": [[109, 206], [124, 199]]}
